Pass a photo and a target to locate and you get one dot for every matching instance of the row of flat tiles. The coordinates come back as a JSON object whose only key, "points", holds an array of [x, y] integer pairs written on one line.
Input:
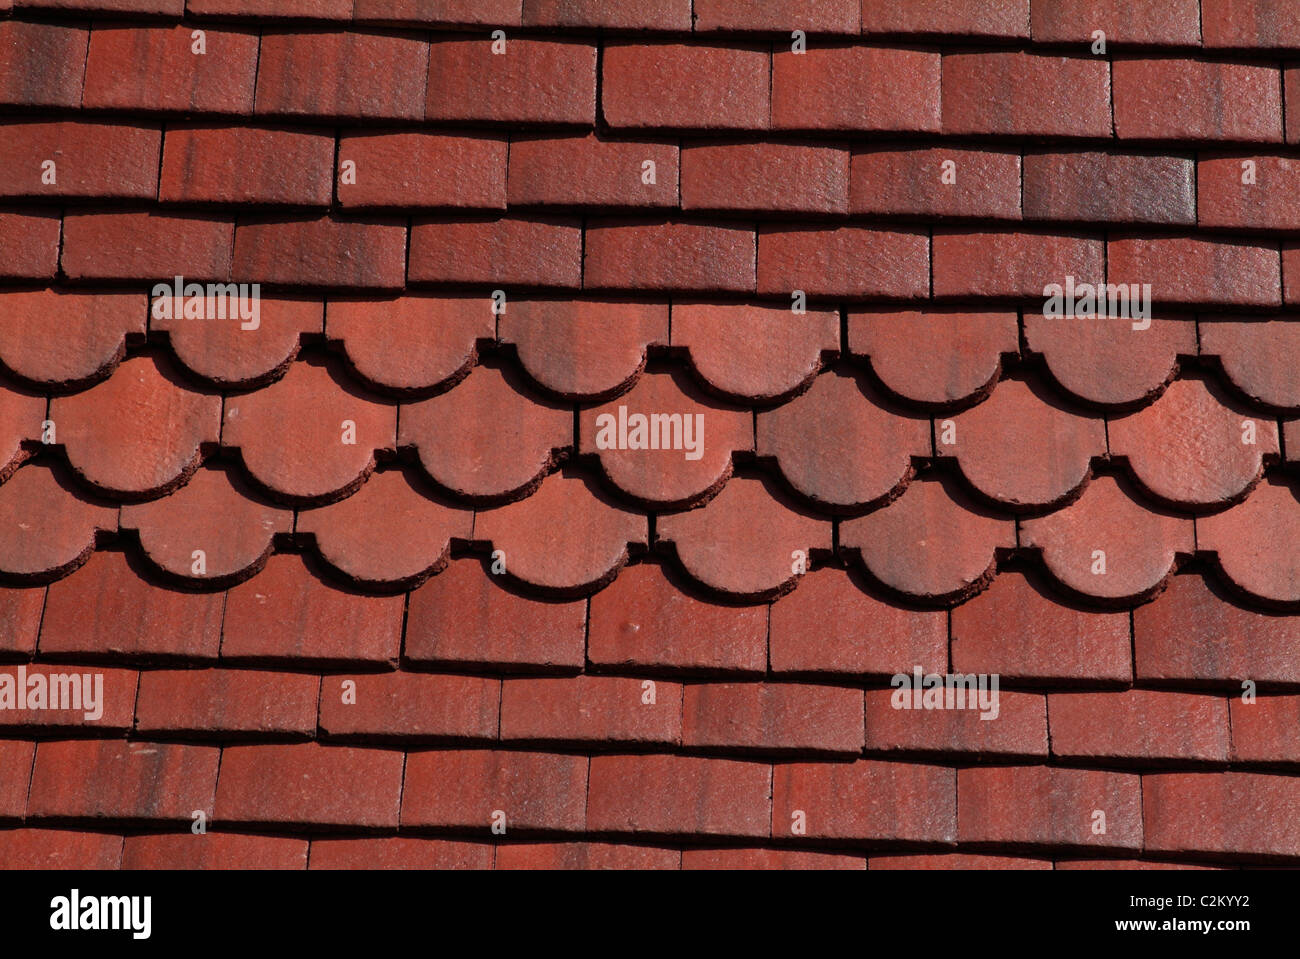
{"points": [[592, 350], [901, 262], [1137, 727], [387, 76], [37, 848], [308, 785], [1231, 24], [648, 623], [279, 166]]}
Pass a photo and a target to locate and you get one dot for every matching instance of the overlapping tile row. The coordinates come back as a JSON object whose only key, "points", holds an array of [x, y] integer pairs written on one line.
{"points": [[414, 767], [392, 574], [922, 447]]}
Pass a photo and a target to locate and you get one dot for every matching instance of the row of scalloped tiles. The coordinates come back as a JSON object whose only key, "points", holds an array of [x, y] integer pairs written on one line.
{"points": [[593, 350], [749, 541], [312, 438]]}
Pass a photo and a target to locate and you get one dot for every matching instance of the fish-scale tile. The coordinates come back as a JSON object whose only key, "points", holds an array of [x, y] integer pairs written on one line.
{"points": [[664, 444], [1108, 545], [749, 541], [583, 349], [386, 533], [214, 529], [311, 436], [1020, 448], [487, 439], [1257, 542], [1193, 447], [838, 445], [1259, 358], [934, 358], [49, 525], [566, 538], [66, 340], [22, 419], [249, 347], [931, 543], [754, 353], [139, 433], [410, 343], [1111, 361]]}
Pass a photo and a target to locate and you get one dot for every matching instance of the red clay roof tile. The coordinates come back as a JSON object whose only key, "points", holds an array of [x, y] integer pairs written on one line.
{"points": [[503, 441], [976, 18], [286, 614], [246, 165], [936, 182], [1154, 22], [391, 706], [568, 537], [396, 852], [1182, 99], [108, 610], [728, 86], [753, 351], [663, 443], [1193, 634], [462, 618], [830, 625], [311, 436], [216, 703], [212, 851], [588, 709], [422, 170], [750, 541], [342, 74], [387, 533], [1194, 448], [110, 779], [97, 323], [1045, 806], [523, 792], [868, 799], [214, 529], [307, 783], [592, 171], [838, 445], [1022, 450], [70, 159], [473, 246], [1026, 94], [1111, 361], [1111, 187], [935, 359], [211, 73], [645, 619], [1053, 642], [42, 64], [527, 80], [583, 349], [931, 543], [679, 795], [835, 86], [1108, 545]]}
